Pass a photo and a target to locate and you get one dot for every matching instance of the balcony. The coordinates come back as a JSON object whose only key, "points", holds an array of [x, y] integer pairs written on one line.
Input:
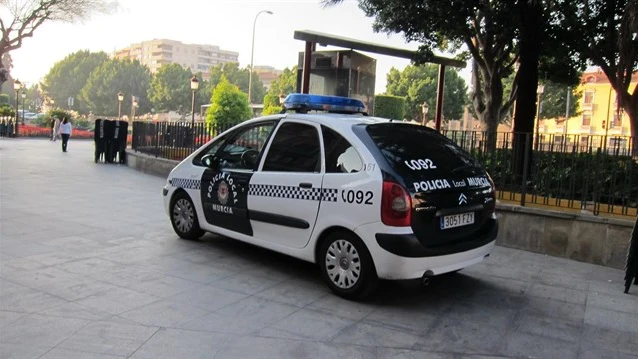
{"points": [[588, 107]]}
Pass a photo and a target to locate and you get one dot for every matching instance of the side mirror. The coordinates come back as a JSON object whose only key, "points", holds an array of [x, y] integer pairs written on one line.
{"points": [[210, 161]]}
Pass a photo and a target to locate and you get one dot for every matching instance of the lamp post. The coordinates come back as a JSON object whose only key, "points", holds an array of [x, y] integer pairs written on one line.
{"points": [[120, 98], [252, 51], [539, 91], [194, 87], [17, 85], [23, 95], [424, 109]]}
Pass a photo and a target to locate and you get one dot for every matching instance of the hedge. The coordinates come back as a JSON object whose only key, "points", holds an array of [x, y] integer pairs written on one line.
{"points": [[392, 107]]}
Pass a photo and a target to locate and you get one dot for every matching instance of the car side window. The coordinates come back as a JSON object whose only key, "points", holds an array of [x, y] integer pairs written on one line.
{"points": [[210, 150], [341, 156], [295, 148], [242, 150]]}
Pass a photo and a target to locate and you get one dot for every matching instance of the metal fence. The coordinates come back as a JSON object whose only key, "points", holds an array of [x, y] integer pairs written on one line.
{"points": [[581, 172], [172, 140], [594, 173]]}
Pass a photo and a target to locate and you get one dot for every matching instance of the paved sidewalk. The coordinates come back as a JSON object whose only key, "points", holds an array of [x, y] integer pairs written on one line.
{"points": [[90, 268]]}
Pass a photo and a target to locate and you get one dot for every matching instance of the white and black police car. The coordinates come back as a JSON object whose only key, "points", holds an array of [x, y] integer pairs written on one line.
{"points": [[364, 197]]}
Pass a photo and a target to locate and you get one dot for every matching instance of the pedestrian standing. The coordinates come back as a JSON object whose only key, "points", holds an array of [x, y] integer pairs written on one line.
{"points": [[56, 129], [65, 131], [52, 135]]}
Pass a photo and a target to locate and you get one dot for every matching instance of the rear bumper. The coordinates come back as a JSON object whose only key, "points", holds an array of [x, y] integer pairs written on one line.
{"points": [[390, 265], [407, 245]]}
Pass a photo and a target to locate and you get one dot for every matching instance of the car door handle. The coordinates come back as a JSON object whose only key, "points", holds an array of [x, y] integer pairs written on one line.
{"points": [[305, 185]]}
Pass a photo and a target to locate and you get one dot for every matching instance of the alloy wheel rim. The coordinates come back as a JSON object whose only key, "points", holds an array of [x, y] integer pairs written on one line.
{"points": [[183, 215], [343, 264]]}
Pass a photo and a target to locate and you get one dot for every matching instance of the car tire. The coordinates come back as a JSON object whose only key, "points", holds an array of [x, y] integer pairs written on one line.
{"points": [[184, 217], [347, 266]]}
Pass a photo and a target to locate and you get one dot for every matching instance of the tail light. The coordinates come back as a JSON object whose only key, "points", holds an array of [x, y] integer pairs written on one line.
{"points": [[396, 205]]}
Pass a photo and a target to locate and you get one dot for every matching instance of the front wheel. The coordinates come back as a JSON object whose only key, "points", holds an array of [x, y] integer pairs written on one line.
{"points": [[347, 266], [184, 217]]}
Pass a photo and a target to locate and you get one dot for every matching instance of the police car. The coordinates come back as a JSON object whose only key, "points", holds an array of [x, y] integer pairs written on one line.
{"points": [[365, 198]]}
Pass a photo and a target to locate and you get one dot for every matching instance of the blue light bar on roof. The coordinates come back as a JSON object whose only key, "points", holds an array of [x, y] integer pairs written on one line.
{"points": [[305, 102]]}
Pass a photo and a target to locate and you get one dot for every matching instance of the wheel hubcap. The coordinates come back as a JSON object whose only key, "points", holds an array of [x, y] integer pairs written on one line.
{"points": [[343, 264], [183, 215]]}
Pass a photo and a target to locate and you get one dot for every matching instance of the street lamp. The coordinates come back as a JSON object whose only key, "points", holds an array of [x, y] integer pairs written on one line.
{"points": [[424, 109], [17, 85], [120, 98], [252, 51], [23, 95], [539, 91], [194, 87]]}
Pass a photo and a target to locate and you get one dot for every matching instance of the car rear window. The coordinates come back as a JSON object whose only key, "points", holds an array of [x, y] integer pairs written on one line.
{"points": [[418, 153]]}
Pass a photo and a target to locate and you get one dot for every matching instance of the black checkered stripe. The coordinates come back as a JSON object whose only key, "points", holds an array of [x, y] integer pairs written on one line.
{"points": [[186, 183], [293, 192]]}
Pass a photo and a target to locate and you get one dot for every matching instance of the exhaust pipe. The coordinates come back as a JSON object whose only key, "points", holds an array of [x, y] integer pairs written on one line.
{"points": [[425, 280]]}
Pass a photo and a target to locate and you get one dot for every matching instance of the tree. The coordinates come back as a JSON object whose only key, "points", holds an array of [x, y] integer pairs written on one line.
{"points": [[68, 76], [171, 90], [238, 77], [229, 105], [418, 84], [605, 32], [387, 106], [113, 76], [21, 18], [285, 84], [554, 101]]}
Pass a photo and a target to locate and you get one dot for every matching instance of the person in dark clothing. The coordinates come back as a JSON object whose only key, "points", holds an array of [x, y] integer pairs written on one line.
{"points": [[65, 130], [631, 269]]}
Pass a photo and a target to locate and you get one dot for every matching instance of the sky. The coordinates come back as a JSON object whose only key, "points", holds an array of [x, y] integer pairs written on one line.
{"points": [[226, 23]]}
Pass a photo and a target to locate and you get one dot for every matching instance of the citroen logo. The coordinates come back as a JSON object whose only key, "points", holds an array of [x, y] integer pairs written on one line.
{"points": [[462, 199]]}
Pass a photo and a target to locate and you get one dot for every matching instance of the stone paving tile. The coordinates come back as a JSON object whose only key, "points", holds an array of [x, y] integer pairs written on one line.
{"points": [[40, 330], [171, 343], [109, 338], [296, 326], [100, 262], [246, 316]]}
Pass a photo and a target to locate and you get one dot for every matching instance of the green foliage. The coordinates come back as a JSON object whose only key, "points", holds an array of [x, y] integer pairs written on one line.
{"points": [[170, 89], [229, 105], [596, 176], [4, 99], [392, 107], [238, 77], [68, 76], [113, 76], [7, 110], [285, 84], [418, 84], [61, 114]]}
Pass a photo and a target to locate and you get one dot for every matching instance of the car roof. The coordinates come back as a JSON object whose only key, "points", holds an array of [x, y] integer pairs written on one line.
{"points": [[335, 121]]}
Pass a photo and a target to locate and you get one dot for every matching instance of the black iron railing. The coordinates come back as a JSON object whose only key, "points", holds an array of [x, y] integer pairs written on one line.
{"points": [[595, 173], [172, 140], [581, 172]]}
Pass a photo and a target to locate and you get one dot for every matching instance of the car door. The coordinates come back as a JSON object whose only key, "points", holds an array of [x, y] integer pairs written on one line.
{"points": [[285, 193], [224, 188]]}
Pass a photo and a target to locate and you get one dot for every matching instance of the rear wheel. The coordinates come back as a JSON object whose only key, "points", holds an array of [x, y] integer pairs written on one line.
{"points": [[184, 217], [347, 266]]}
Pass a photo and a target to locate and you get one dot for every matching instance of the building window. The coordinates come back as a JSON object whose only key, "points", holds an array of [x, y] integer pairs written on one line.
{"points": [[617, 121], [588, 99], [586, 120]]}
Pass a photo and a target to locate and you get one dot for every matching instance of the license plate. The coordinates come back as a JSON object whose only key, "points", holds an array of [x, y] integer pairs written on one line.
{"points": [[457, 220]]}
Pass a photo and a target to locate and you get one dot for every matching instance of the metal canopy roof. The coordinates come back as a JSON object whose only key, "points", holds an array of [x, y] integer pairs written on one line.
{"points": [[327, 39]]}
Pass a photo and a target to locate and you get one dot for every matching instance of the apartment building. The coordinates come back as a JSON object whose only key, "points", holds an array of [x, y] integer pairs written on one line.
{"points": [[196, 57], [599, 117], [267, 74]]}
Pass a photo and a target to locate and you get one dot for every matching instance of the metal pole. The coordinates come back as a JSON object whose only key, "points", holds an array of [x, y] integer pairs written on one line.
{"points": [[569, 90], [538, 121], [307, 62], [15, 127], [252, 52], [439, 97], [119, 110], [193, 110], [607, 121]]}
